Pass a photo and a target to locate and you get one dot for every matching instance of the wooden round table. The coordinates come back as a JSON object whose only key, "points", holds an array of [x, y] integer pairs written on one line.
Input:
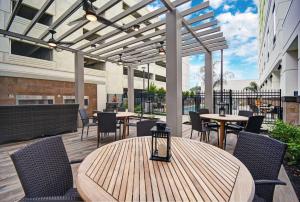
{"points": [[122, 171], [222, 120]]}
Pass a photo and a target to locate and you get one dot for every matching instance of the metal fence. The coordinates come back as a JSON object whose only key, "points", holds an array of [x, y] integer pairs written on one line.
{"points": [[267, 103]]}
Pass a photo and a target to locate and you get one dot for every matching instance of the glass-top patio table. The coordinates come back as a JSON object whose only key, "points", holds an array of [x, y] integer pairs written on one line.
{"points": [[122, 171], [222, 120]]}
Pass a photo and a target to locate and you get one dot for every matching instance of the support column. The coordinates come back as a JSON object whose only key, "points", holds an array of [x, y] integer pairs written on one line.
{"points": [[208, 81], [130, 92], [174, 73], [79, 82]]}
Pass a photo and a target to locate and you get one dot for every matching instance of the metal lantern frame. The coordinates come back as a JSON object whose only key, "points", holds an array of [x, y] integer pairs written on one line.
{"points": [[161, 134]]}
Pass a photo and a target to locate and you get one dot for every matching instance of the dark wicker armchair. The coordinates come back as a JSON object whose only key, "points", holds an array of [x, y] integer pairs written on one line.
{"points": [[143, 128], [198, 125], [263, 157], [107, 123], [86, 121], [45, 172]]}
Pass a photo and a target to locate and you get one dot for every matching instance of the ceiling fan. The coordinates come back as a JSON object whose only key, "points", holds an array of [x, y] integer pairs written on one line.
{"points": [[91, 15], [53, 43]]}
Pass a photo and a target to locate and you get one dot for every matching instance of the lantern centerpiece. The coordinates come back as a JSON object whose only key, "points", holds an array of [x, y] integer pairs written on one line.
{"points": [[161, 142], [222, 109]]}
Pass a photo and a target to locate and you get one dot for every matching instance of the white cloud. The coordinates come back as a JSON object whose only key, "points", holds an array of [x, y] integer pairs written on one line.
{"points": [[215, 3], [227, 7]]}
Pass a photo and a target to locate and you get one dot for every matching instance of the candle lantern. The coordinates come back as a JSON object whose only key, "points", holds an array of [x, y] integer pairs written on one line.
{"points": [[222, 109], [161, 143]]}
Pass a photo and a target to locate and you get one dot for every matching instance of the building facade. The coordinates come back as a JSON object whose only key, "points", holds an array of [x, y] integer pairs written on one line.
{"points": [[33, 74], [279, 66]]}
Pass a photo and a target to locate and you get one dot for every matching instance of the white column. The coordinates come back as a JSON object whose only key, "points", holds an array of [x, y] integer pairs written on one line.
{"points": [[208, 81], [289, 73], [79, 82], [174, 73], [130, 92], [276, 80]]}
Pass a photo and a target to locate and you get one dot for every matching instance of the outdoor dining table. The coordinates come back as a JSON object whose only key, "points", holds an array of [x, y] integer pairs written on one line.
{"points": [[222, 120], [123, 171], [122, 116]]}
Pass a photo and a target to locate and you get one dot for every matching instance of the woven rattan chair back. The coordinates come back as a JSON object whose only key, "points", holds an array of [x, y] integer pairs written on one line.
{"points": [[203, 111], [43, 168], [263, 157], [107, 122], [254, 124], [196, 121], [143, 127], [84, 117]]}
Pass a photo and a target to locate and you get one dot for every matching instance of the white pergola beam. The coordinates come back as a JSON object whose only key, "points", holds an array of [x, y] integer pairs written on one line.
{"points": [[203, 26], [207, 34], [62, 18], [142, 19], [120, 16], [152, 26], [99, 11], [39, 14], [13, 14]]}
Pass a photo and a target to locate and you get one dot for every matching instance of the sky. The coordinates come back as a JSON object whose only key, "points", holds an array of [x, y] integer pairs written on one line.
{"points": [[239, 23]]}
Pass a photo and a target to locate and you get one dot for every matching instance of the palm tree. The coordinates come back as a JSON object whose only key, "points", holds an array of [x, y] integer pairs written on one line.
{"points": [[216, 76], [252, 87]]}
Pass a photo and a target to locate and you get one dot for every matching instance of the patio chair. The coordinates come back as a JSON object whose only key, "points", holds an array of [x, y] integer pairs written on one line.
{"points": [[263, 157], [198, 125], [107, 123], [253, 126], [85, 119], [212, 125], [239, 126], [143, 127], [45, 171]]}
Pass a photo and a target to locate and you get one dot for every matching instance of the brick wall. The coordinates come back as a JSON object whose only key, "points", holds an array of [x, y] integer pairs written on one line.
{"points": [[12, 86]]}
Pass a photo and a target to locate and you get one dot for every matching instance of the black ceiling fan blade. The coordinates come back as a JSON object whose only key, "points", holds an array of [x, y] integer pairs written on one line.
{"points": [[76, 21], [108, 22], [65, 43]]}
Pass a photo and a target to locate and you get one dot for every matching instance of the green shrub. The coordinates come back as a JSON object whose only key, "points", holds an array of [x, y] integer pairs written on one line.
{"points": [[289, 134]]}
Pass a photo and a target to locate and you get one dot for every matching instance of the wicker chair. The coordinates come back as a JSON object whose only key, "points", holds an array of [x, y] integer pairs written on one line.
{"points": [[143, 127], [211, 125], [86, 121], [253, 126], [263, 157], [107, 123], [198, 125], [45, 172], [239, 126]]}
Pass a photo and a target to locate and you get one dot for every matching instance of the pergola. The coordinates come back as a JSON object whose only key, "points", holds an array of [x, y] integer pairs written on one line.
{"points": [[184, 33]]}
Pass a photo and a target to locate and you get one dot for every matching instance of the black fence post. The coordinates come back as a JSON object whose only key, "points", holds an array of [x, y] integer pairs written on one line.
{"points": [[214, 101], [230, 101]]}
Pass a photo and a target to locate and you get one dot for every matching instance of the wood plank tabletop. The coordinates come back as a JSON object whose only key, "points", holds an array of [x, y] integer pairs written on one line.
{"points": [[122, 171]]}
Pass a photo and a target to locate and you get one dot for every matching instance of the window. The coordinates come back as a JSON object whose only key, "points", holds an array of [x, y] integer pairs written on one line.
{"points": [[274, 24], [31, 50], [71, 100], [34, 99], [28, 12], [160, 78], [94, 64]]}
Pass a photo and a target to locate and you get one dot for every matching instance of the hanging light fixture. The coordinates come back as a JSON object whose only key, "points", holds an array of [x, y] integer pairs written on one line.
{"points": [[52, 42], [120, 60], [161, 50], [136, 27], [90, 16]]}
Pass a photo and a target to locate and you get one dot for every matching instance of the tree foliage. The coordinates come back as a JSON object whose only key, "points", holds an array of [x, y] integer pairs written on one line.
{"points": [[252, 87]]}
